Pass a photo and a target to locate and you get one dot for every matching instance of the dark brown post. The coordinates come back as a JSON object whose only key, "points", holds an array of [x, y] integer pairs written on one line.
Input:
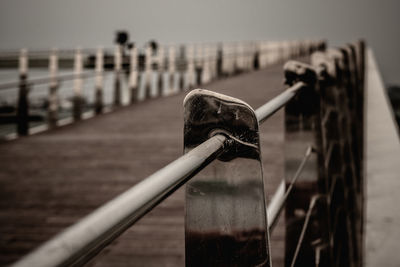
{"points": [[23, 105]]}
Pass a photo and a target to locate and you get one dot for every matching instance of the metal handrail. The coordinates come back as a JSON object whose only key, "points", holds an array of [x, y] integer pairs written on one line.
{"points": [[88, 74], [83, 240], [47, 80]]}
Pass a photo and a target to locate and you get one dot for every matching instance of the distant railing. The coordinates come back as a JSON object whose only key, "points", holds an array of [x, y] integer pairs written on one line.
{"points": [[226, 215], [137, 73]]}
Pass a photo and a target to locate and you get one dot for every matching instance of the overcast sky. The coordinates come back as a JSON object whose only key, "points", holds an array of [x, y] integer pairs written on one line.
{"points": [[89, 23]]}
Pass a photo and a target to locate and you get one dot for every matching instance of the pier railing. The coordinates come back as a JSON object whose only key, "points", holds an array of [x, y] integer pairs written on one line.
{"points": [[82, 83], [227, 221]]}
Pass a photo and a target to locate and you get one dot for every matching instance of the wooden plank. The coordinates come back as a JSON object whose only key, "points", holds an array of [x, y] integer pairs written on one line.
{"points": [[50, 180]]}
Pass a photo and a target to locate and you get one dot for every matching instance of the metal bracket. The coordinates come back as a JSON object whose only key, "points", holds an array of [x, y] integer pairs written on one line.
{"points": [[225, 220], [208, 113]]}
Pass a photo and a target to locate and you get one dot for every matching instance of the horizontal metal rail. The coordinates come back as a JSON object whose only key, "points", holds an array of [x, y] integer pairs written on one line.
{"points": [[83, 240], [47, 80], [5, 54], [73, 76], [272, 106]]}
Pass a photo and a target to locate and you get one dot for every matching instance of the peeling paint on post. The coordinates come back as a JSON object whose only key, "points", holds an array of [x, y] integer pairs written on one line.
{"points": [[99, 81], [53, 98], [78, 82], [23, 106]]}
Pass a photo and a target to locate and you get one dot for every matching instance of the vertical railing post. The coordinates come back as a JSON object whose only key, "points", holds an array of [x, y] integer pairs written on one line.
{"points": [[23, 104], [53, 98], [78, 83], [225, 223], [154, 62], [171, 69], [198, 64], [160, 70], [147, 71], [99, 69], [302, 129], [205, 65], [239, 57], [181, 67], [117, 75], [343, 184], [219, 61], [190, 75], [256, 56], [133, 74], [211, 61], [232, 58]]}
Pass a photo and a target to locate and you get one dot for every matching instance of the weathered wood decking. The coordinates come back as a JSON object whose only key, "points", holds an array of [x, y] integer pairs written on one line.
{"points": [[49, 181]]}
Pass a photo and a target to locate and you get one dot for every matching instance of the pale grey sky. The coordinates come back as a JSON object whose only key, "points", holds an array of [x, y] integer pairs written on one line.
{"points": [[89, 23]]}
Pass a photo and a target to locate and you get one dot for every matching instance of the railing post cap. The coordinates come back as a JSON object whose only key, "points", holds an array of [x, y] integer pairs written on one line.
{"points": [[299, 72]]}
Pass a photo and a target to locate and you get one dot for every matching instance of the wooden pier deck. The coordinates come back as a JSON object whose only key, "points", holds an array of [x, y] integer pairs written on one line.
{"points": [[51, 180]]}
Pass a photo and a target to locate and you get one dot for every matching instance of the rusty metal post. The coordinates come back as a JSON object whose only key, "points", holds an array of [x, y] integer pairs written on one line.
{"points": [[226, 222], [23, 103]]}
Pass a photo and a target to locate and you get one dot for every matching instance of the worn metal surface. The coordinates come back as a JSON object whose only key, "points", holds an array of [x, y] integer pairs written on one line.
{"points": [[225, 205]]}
